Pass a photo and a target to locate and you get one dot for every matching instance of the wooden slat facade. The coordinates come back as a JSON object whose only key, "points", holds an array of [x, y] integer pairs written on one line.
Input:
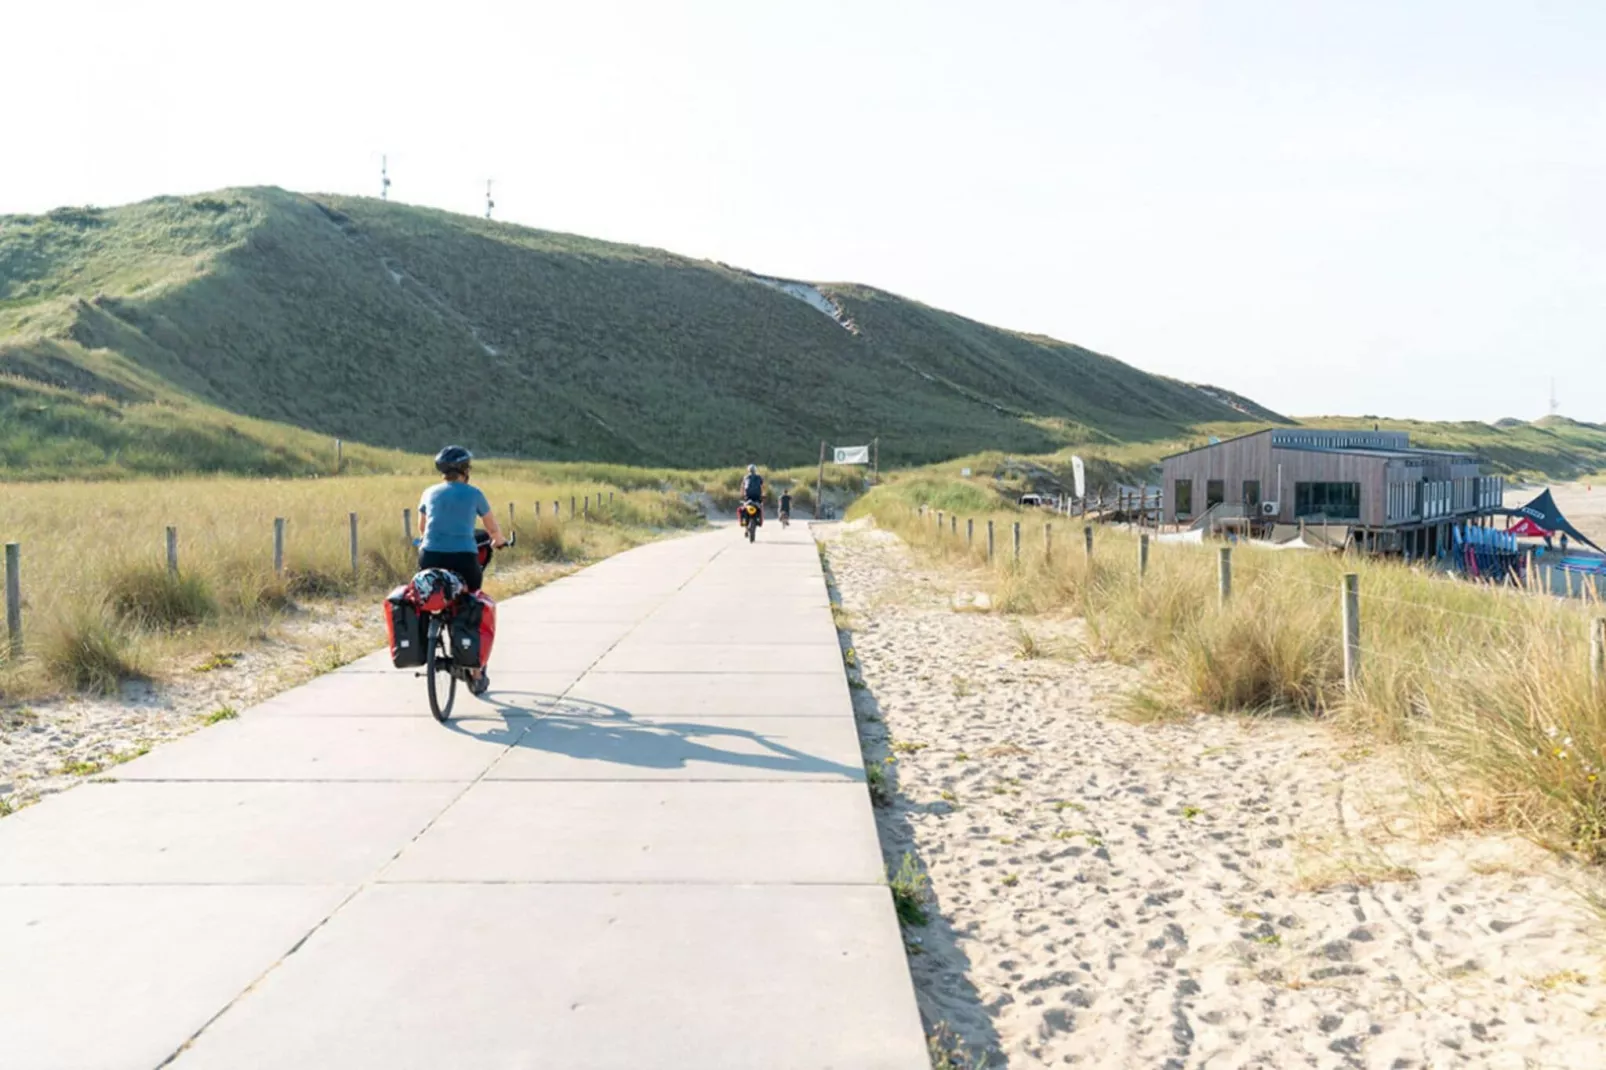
{"points": [[1395, 491]]}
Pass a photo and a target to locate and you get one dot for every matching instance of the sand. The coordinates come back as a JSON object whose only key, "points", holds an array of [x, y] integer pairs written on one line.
{"points": [[1216, 893]]}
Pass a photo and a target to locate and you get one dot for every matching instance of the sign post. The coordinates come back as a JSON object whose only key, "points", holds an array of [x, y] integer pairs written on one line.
{"points": [[819, 481]]}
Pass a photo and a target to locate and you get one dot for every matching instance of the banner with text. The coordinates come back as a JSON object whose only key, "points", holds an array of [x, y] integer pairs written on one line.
{"points": [[852, 455]]}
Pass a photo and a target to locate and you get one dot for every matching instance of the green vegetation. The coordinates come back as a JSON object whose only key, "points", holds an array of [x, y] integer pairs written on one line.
{"points": [[1488, 687], [910, 892], [242, 330]]}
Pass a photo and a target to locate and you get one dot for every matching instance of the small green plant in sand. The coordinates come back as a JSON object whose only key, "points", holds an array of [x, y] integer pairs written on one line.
{"points": [[129, 755], [961, 757], [876, 778], [947, 1052], [1191, 812], [329, 658], [225, 713], [220, 660], [1027, 647], [1009, 880], [962, 687], [1560, 979], [910, 892], [80, 767], [850, 658], [908, 746]]}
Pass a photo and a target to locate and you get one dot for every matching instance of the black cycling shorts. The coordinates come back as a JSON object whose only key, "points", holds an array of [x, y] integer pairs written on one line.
{"points": [[466, 565]]}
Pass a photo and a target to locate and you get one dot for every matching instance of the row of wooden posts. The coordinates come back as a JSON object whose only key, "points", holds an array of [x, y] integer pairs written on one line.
{"points": [[578, 506], [1350, 596]]}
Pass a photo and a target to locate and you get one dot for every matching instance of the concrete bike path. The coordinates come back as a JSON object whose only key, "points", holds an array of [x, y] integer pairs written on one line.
{"points": [[649, 846]]}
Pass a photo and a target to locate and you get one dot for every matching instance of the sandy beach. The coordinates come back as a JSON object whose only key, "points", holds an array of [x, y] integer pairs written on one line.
{"points": [[1223, 892]]}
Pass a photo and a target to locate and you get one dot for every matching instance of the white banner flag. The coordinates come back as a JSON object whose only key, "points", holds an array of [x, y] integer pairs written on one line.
{"points": [[1080, 474], [852, 454]]}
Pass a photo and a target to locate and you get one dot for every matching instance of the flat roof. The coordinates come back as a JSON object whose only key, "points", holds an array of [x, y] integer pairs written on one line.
{"points": [[1399, 453]]}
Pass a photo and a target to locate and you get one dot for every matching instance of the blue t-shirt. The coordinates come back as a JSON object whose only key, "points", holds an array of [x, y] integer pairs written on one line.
{"points": [[452, 509]]}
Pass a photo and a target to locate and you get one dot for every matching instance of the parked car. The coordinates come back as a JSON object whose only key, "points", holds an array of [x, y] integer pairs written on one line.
{"points": [[1032, 499]]}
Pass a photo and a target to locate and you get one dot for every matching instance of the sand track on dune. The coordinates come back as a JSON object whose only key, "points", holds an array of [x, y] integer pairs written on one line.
{"points": [[1216, 893]]}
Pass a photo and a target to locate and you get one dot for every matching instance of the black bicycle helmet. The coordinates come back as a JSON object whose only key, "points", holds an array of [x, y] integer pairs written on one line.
{"points": [[453, 459]]}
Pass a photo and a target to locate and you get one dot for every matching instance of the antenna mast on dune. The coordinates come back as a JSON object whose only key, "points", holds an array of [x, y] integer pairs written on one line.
{"points": [[1555, 405], [384, 178], [489, 204]]}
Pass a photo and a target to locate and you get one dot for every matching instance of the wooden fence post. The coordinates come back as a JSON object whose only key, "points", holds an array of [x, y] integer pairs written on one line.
{"points": [[1529, 581], [172, 551], [1017, 541], [538, 510], [1087, 537], [354, 569], [970, 532], [557, 511], [338, 461], [1224, 574], [1143, 556], [407, 525], [278, 546], [953, 525], [14, 597], [1352, 631], [1597, 652], [1048, 542], [587, 507], [989, 542], [512, 515]]}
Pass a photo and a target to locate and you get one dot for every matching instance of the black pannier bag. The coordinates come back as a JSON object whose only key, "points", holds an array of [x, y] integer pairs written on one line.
{"points": [[404, 625]]}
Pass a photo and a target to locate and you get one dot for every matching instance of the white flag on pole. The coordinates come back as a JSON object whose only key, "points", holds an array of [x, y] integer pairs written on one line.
{"points": [[1080, 474], [852, 455]]}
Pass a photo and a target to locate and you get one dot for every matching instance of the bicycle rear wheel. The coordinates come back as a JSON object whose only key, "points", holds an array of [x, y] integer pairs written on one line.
{"points": [[439, 663]]}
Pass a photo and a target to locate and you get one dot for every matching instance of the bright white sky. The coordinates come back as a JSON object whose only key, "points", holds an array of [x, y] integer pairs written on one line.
{"points": [[1357, 206]]}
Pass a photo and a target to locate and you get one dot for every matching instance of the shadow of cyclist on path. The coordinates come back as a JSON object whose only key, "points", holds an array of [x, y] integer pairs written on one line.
{"points": [[590, 731]]}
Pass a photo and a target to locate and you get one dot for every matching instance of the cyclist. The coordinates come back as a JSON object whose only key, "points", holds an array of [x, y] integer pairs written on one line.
{"points": [[784, 507], [753, 485], [446, 515]]}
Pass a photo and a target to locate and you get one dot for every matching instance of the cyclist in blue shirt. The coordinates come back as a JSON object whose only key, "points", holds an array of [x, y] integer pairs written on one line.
{"points": [[447, 513]]}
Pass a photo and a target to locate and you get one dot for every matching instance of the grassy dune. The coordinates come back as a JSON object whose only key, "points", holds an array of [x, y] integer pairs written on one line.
{"points": [[101, 607], [242, 330], [1489, 689]]}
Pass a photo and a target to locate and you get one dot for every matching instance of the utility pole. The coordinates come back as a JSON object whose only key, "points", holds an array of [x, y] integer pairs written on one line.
{"points": [[819, 481], [1555, 405], [489, 204], [875, 461], [384, 178]]}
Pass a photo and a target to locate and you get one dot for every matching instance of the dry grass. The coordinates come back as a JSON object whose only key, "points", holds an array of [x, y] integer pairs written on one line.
{"points": [[100, 606], [1489, 687]]}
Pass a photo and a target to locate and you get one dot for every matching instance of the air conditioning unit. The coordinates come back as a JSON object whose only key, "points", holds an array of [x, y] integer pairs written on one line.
{"points": [[1270, 508]]}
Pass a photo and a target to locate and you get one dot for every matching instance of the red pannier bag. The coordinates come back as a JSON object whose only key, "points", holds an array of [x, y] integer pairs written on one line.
{"points": [[404, 626], [472, 627]]}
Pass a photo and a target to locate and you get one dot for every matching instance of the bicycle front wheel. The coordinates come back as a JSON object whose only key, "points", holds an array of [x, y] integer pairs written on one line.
{"points": [[438, 664]]}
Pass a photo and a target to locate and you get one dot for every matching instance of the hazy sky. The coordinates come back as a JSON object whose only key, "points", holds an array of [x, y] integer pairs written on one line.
{"points": [[1358, 206]]}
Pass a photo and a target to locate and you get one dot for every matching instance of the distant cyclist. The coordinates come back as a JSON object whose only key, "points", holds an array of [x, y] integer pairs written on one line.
{"points": [[784, 507], [753, 486]]}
